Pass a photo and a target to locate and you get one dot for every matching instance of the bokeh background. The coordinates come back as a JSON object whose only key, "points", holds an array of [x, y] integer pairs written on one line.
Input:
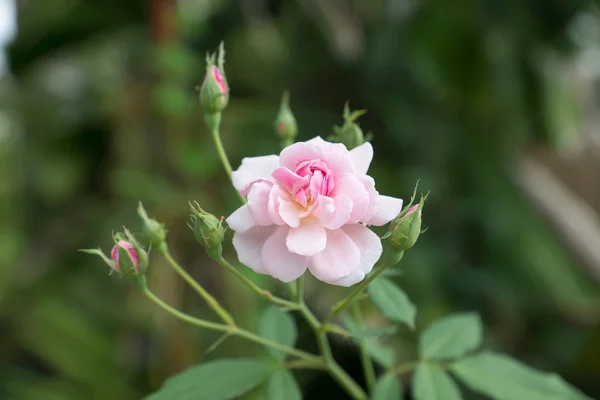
{"points": [[492, 104]]}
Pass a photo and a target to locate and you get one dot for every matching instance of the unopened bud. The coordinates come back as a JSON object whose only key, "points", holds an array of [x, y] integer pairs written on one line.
{"points": [[406, 228], [350, 133], [285, 124], [214, 92], [129, 257], [209, 231], [152, 230]]}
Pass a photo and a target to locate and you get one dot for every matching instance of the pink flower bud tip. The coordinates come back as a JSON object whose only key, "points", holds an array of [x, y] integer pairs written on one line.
{"points": [[410, 211], [219, 78], [114, 253]]}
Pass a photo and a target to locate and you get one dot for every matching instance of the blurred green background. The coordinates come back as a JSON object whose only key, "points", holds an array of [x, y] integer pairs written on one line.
{"points": [[491, 103]]}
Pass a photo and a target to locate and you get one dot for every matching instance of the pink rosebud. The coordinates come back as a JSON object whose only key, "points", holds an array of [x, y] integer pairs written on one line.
{"points": [[405, 230], [308, 209], [214, 92], [219, 78], [133, 255], [410, 211]]}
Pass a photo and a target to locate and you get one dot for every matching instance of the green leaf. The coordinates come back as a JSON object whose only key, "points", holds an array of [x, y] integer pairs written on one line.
{"points": [[384, 355], [282, 385], [359, 333], [392, 301], [388, 387], [503, 378], [278, 326], [431, 383], [215, 380], [451, 336]]}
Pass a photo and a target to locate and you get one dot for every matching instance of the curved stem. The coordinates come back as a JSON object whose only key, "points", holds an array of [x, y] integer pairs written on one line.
{"points": [[336, 372], [365, 359], [185, 317], [210, 300], [261, 292], [311, 361], [221, 151], [213, 121]]}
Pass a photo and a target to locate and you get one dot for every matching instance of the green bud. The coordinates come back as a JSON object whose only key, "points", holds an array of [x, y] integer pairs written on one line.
{"points": [[350, 133], [214, 92], [406, 228], [209, 231], [152, 230], [285, 124]]}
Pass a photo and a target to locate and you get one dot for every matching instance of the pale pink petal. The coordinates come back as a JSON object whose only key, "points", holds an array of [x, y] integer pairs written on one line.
{"points": [[273, 206], [253, 169], [352, 279], [241, 220], [288, 180], [318, 140], [339, 259], [295, 154], [290, 212], [338, 159], [258, 203], [307, 239], [316, 185], [278, 261], [362, 156], [369, 184], [388, 208], [350, 186], [333, 213], [249, 246], [370, 248]]}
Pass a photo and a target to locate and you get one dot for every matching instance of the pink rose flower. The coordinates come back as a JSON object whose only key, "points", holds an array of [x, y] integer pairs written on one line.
{"points": [[307, 208], [114, 254]]}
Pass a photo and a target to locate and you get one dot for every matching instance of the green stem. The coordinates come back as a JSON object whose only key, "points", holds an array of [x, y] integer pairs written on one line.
{"points": [[365, 359], [221, 150], [210, 300], [185, 317], [334, 369], [263, 293], [311, 361], [359, 289], [213, 121]]}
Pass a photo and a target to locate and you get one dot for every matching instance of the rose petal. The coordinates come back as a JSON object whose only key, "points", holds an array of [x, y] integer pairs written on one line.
{"points": [[273, 206], [278, 261], [362, 157], [388, 208], [249, 246], [258, 203], [295, 154], [290, 212], [350, 186], [370, 248], [338, 159], [288, 180], [369, 184], [307, 239], [333, 213], [339, 259], [253, 169], [241, 220]]}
